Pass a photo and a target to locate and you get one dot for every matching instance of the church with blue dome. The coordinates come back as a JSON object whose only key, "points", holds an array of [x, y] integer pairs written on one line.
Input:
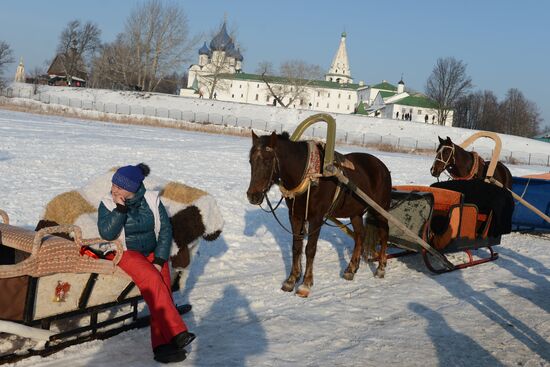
{"points": [[216, 60]]}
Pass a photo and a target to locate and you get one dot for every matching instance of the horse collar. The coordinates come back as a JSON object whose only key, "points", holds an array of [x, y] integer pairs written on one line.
{"points": [[311, 173], [474, 170]]}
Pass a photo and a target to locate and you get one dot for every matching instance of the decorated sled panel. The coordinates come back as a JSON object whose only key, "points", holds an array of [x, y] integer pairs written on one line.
{"points": [[414, 210]]}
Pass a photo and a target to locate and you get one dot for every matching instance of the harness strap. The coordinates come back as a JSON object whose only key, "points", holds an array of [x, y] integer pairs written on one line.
{"points": [[334, 200], [474, 171]]}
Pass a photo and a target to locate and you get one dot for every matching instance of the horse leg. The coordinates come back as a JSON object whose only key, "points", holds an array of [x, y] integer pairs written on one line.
{"points": [[370, 239], [297, 245], [383, 234], [311, 248], [358, 236]]}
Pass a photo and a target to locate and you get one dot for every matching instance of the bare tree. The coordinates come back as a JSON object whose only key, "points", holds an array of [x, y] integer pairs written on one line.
{"points": [[467, 111], [446, 84], [6, 57], [77, 44], [491, 116], [84, 38], [519, 115], [115, 67], [479, 110], [158, 36], [293, 82]]}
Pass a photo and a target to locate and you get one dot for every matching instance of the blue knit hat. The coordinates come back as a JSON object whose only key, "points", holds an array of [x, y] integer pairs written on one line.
{"points": [[130, 177]]}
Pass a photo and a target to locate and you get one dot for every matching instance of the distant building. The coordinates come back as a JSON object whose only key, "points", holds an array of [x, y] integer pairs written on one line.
{"points": [[223, 63], [543, 137], [388, 101], [68, 69], [219, 74], [20, 72]]}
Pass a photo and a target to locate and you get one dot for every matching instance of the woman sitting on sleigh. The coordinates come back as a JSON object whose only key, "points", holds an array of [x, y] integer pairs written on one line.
{"points": [[138, 218]]}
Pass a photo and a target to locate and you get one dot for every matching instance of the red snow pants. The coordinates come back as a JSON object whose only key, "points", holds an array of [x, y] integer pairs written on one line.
{"points": [[155, 288]]}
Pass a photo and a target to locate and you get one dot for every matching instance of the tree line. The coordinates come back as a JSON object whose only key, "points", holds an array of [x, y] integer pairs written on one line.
{"points": [[451, 88]]}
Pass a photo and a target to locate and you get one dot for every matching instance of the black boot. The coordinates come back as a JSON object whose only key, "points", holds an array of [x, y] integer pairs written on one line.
{"points": [[168, 353], [183, 339]]}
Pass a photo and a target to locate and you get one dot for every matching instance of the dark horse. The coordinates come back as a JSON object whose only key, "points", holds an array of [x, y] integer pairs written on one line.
{"points": [[463, 165], [276, 159]]}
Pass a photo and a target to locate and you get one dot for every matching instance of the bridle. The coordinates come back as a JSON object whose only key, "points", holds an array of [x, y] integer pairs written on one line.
{"points": [[439, 156], [274, 166]]}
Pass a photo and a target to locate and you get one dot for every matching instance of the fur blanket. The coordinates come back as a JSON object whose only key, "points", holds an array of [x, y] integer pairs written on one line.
{"points": [[193, 212]]}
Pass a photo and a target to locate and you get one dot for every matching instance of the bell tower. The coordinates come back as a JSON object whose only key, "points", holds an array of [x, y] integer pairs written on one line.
{"points": [[339, 70]]}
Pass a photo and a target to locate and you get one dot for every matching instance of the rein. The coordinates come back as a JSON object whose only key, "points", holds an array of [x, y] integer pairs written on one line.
{"points": [[272, 211]]}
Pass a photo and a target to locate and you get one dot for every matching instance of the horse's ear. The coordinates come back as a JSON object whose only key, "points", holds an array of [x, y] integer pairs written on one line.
{"points": [[439, 137], [254, 138], [273, 140], [449, 139]]}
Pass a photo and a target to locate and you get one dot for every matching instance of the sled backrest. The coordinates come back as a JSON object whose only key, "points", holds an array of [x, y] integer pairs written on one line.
{"points": [[49, 254], [414, 211]]}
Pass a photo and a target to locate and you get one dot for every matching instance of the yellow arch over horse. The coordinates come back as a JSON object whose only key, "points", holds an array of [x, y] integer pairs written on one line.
{"points": [[331, 136], [496, 152]]}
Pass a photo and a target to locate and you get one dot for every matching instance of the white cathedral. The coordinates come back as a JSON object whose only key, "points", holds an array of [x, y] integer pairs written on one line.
{"points": [[219, 75]]}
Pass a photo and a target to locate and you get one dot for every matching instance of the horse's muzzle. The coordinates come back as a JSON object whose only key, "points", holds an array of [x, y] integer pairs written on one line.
{"points": [[255, 198]]}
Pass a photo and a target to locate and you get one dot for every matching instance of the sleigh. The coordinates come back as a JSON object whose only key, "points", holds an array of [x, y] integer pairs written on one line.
{"points": [[450, 221], [56, 292], [434, 221]]}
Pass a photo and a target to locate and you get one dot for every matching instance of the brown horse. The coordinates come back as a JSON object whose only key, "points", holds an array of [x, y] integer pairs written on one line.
{"points": [[463, 165], [276, 159]]}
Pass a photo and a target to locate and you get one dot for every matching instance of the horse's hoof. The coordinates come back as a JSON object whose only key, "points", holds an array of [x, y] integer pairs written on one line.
{"points": [[348, 275], [380, 273], [303, 291], [287, 287]]}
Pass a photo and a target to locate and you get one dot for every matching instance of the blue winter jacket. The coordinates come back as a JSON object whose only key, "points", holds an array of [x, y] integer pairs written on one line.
{"points": [[139, 226]]}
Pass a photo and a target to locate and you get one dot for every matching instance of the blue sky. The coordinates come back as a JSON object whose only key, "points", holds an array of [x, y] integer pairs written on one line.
{"points": [[504, 43]]}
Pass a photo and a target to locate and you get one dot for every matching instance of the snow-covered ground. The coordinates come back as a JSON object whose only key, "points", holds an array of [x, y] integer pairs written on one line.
{"points": [[489, 315]]}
